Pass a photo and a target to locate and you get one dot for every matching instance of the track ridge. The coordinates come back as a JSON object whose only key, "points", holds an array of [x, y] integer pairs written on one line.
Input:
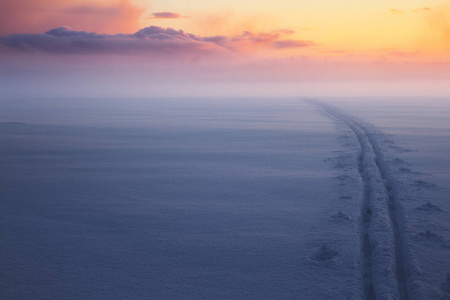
{"points": [[381, 237]]}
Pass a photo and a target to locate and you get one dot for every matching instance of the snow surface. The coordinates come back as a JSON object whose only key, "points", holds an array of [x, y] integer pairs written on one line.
{"points": [[414, 138], [224, 199]]}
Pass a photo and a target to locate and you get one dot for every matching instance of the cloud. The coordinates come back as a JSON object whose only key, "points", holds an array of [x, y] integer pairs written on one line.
{"points": [[284, 31], [261, 37], [166, 15], [153, 39], [159, 33], [219, 40], [292, 44], [266, 40], [271, 39], [63, 40]]}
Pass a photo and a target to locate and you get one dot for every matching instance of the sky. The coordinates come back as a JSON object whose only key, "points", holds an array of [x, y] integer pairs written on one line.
{"points": [[231, 48]]}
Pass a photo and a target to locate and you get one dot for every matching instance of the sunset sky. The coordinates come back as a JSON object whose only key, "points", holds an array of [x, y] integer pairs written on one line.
{"points": [[144, 47]]}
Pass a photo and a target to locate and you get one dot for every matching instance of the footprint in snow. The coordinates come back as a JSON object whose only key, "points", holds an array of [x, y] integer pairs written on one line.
{"points": [[405, 170], [429, 235], [398, 161], [339, 162], [429, 207], [399, 149], [343, 177], [423, 184], [324, 253], [340, 216], [409, 171]]}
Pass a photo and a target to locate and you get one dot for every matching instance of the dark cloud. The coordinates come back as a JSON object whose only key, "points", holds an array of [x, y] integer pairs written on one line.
{"points": [[153, 39], [218, 39], [63, 40], [159, 33], [65, 31], [166, 15]]}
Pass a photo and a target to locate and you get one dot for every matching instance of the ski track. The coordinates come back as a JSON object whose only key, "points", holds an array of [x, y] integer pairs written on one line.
{"points": [[383, 238]]}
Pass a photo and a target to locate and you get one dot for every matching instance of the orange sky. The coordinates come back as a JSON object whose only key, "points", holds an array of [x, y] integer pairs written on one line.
{"points": [[417, 30], [229, 41]]}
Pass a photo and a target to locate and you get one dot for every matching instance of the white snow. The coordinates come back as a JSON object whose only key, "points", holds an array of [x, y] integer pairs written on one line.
{"points": [[224, 199]]}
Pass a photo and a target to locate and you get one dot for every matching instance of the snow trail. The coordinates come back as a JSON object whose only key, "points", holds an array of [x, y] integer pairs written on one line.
{"points": [[381, 236]]}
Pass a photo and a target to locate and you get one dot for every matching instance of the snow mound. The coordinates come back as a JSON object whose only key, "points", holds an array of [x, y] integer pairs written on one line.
{"points": [[324, 253], [429, 235], [409, 171], [423, 184]]}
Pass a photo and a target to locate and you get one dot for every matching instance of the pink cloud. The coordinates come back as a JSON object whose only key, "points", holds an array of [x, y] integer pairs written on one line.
{"points": [[292, 44], [166, 15]]}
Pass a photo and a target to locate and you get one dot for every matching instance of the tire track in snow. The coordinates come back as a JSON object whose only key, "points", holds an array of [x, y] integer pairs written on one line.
{"points": [[381, 240]]}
